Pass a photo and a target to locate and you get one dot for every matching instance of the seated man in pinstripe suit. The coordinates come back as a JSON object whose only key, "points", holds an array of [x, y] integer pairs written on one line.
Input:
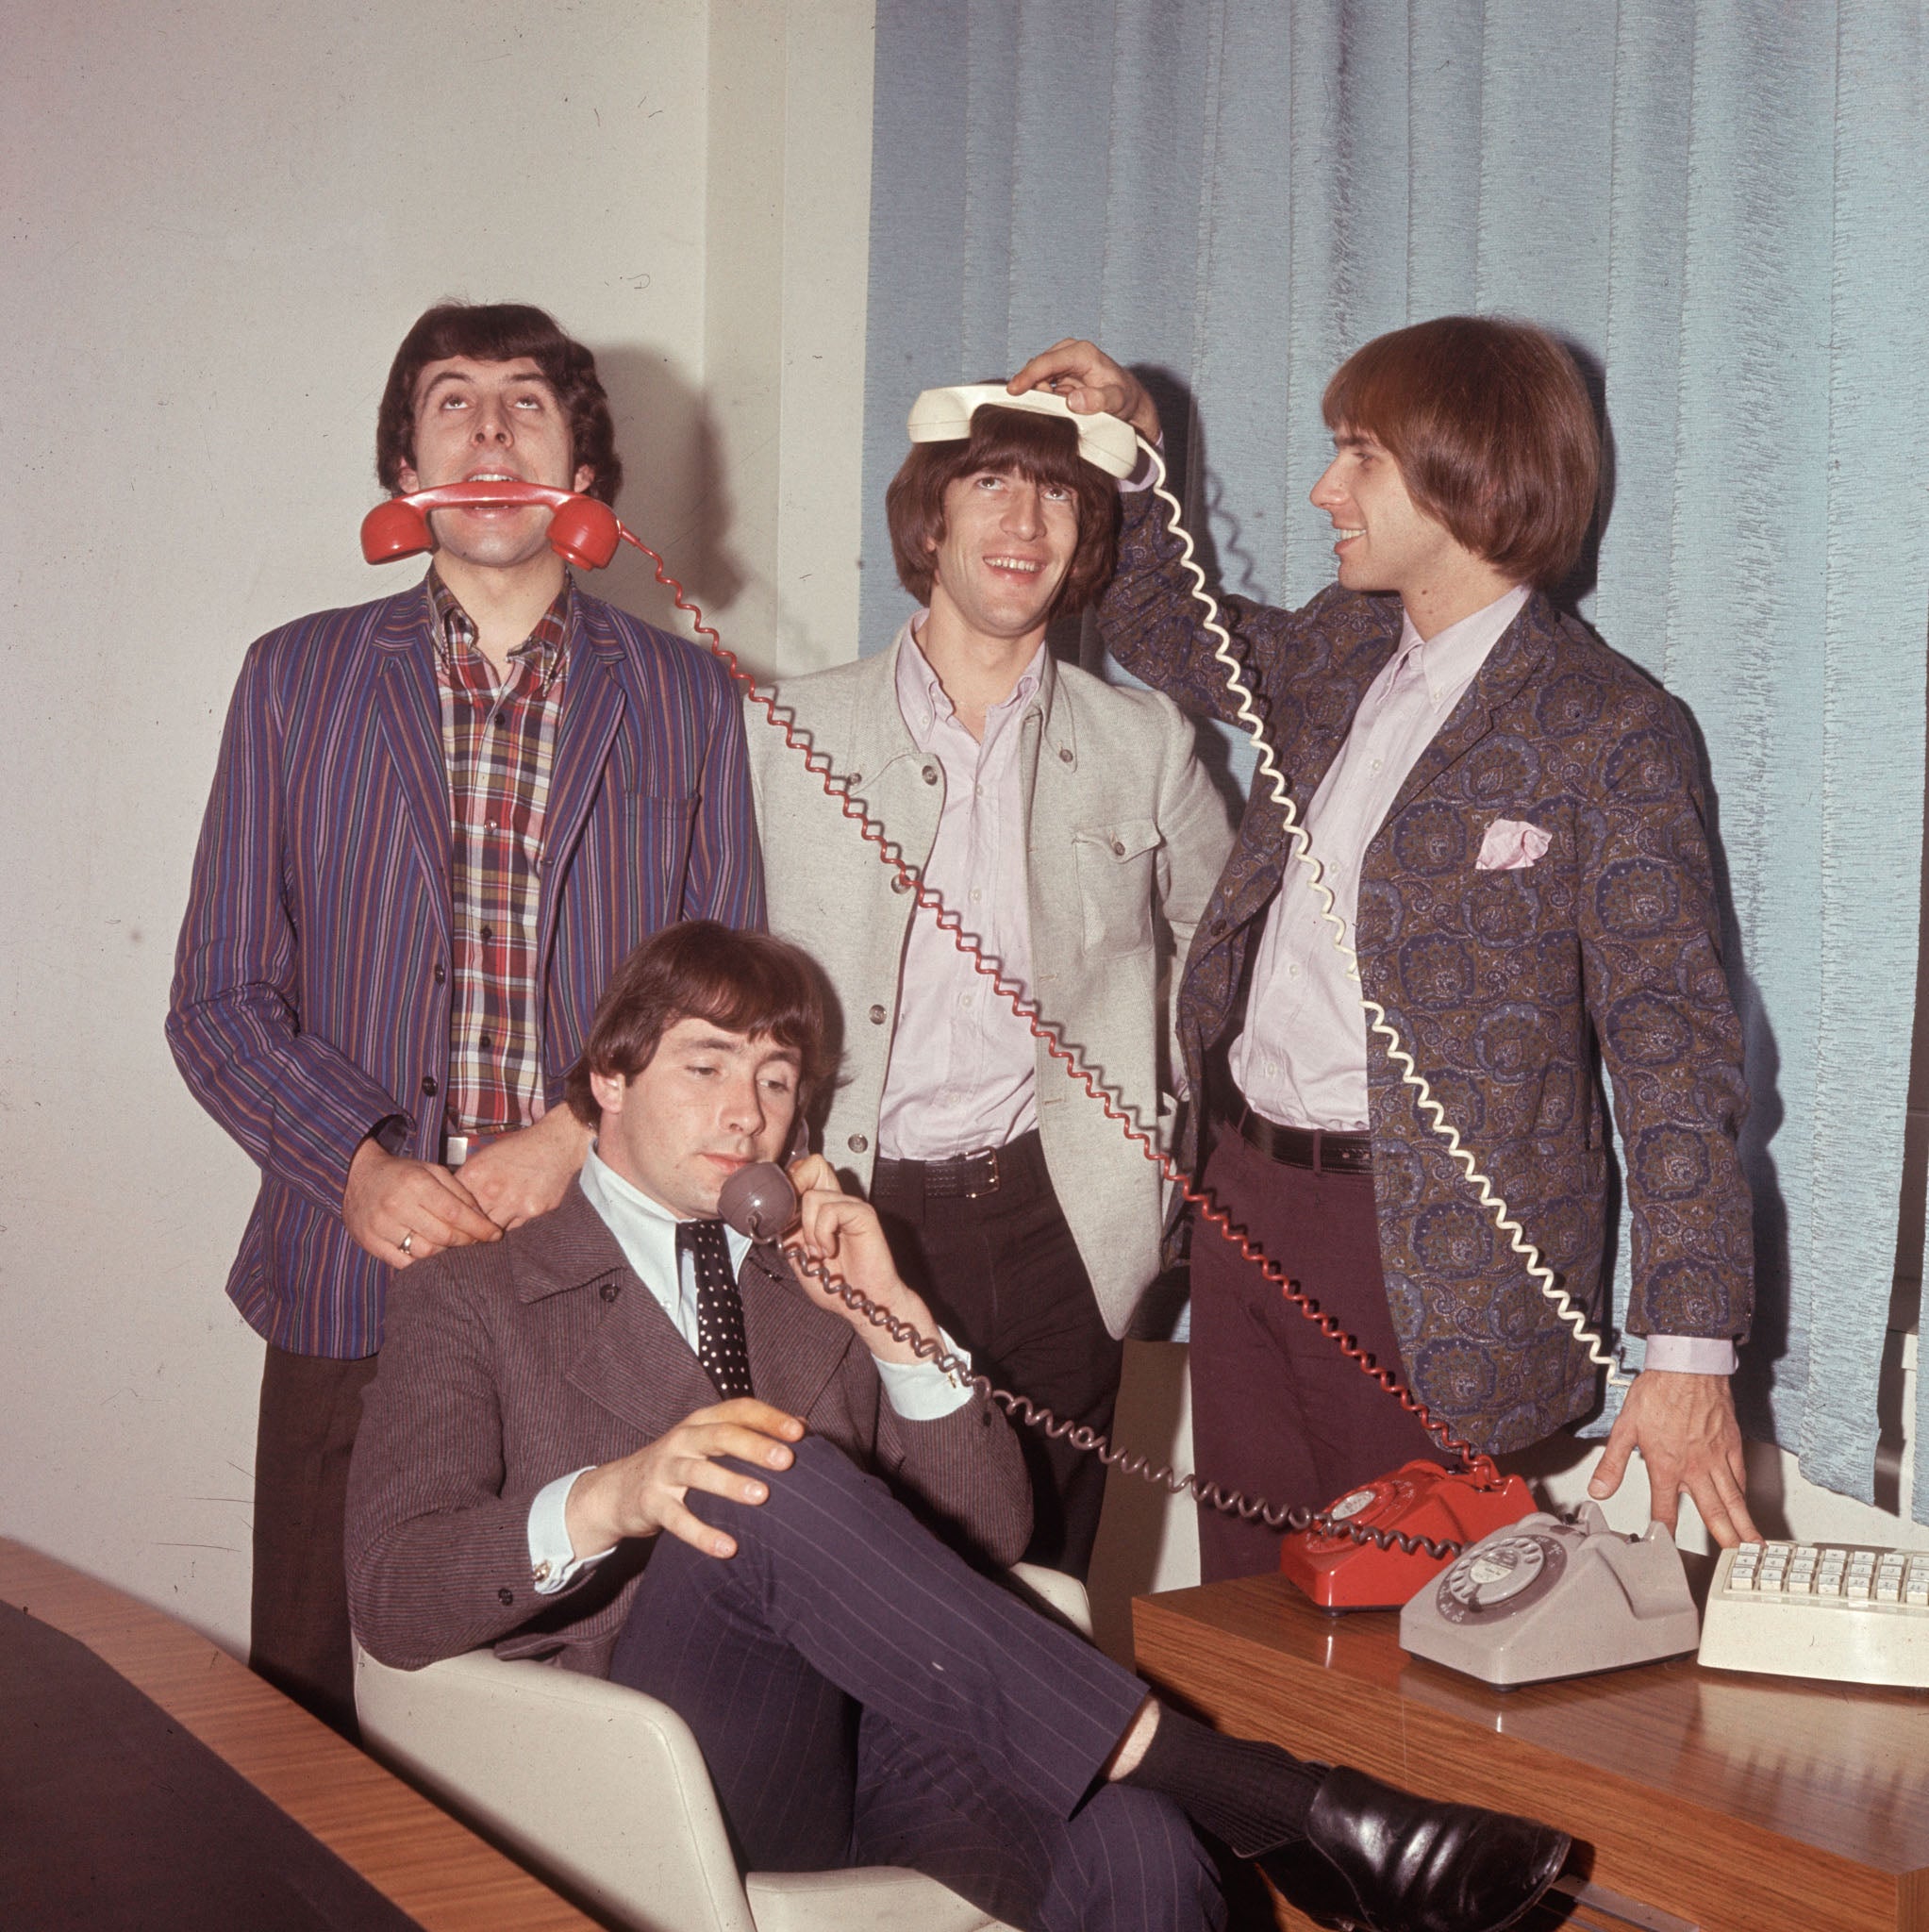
{"points": [[438, 823], [627, 1439]]}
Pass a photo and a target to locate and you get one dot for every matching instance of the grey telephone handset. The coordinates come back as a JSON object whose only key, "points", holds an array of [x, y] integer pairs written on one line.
{"points": [[1548, 1598]]}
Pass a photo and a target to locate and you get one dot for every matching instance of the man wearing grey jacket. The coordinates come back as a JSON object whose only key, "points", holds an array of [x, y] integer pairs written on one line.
{"points": [[1069, 828]]}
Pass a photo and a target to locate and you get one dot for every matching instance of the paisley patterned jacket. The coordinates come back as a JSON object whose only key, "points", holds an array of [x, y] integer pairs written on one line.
{"points": [[1502, 984]]}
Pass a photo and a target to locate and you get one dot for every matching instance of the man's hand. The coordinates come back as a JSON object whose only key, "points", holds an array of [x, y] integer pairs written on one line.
{"points": [[390, 1199], [845, 1235], [643, 1493], [1685, 1427], [526, 1174], [1090, 382]]}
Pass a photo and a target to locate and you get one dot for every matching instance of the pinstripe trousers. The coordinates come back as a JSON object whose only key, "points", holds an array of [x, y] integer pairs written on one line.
{"points": [[863, 1698]]}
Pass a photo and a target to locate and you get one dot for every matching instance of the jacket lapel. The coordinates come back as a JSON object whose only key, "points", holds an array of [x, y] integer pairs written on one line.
{"points": [[1524, 647], [889, 765], [633, 1363], [794, 1350], [409, 720], [592, 706]]}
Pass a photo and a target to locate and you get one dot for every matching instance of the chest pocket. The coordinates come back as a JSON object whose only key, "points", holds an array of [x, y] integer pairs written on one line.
{"points": [[1115, 883]]}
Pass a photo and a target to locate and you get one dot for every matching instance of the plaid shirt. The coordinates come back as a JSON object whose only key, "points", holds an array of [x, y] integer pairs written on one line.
{"points": [[498, 743]]}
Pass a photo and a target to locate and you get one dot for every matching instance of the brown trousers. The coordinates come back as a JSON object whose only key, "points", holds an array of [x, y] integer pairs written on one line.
{"points": [[1277, 1410], [298, 1625]]}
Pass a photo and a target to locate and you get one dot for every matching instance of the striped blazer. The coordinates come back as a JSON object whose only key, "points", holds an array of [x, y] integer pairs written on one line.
{"points": [[515, 1362], [310, 1001]]}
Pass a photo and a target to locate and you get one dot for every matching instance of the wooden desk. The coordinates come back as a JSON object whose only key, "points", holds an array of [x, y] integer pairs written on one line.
{"points": [[1738, 1802], [443, 1876]]}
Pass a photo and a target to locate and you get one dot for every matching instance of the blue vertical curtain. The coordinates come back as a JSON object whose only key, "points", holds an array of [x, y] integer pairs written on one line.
{"points": [[1724, 209]]}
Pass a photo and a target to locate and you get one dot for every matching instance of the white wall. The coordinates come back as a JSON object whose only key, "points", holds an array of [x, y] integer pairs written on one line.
{"points": [[221, 217]]}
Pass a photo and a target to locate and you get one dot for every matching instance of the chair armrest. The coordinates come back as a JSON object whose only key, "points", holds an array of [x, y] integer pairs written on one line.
{"points": [[597, 1784], [1063, 1593]]}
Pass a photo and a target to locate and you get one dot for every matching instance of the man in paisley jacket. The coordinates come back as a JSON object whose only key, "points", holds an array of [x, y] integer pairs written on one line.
{"points": [[1509, 818]]}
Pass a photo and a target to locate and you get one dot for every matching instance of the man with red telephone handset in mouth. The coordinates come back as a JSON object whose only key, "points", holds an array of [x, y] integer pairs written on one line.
{"points": [[1510, 820], [438, 823]]}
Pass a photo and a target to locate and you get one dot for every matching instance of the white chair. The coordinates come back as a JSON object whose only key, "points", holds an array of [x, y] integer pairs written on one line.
{"points": [[603, 1790]]}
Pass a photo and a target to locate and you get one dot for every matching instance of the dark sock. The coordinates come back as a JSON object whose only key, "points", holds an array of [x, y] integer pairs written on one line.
{"points": [[1254, 1796]]}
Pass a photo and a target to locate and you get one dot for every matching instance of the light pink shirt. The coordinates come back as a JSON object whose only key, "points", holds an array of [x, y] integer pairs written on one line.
{"points": [[1302, 1060], [963, 1065]]}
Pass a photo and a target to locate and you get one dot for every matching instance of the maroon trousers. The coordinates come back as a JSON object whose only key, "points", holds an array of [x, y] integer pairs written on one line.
{"points": [[1277, 1410]]}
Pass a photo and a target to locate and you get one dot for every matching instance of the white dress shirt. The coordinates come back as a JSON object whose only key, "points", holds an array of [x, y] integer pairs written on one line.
{"points": [[963, 1071], [646, 1232]]}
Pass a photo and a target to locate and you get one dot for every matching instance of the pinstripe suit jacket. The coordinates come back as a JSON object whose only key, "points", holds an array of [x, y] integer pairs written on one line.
{"points": [[311, 1003], [1502, 984], [509, 1365]]}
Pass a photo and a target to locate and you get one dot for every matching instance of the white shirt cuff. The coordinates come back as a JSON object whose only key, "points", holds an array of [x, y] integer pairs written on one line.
{"points": [[1691, 1354], [922, 1391], [1140, 478], [553, 1563]]}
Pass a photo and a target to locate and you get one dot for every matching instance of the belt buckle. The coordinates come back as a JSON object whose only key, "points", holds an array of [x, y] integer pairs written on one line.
{"points": [[990, 1156]]}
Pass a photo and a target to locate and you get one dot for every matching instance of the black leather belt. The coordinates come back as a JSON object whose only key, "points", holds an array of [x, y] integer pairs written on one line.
{"points": [[1314, 1147], [1016, 1169]]}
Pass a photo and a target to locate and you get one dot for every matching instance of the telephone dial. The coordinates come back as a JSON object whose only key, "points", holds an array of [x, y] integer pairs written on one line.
{"points": [[1375, 1546], [1544, 1598]]}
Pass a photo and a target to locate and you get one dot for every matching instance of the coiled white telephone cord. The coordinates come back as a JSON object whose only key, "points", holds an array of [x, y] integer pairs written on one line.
{"points": [[1301, 848]]}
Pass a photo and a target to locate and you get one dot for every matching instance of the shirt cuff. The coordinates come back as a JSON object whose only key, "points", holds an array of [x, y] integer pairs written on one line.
{"points": [[1691, 1354], [1140, 478], [553, 1563], [923, 1392]]}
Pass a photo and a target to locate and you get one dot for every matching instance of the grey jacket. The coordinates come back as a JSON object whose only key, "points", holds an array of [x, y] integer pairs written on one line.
{"points": [[1124, 838]]}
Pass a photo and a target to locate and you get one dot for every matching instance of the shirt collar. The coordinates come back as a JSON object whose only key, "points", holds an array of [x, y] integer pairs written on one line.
{"points": [[544, 647], [921, 697], [1451, 658], [644, 1228]]}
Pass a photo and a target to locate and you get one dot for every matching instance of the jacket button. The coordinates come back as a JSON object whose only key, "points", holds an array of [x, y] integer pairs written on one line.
{"points": [[505, 1597], [878, 1016], [610, 1290], [1118, 848], [1219, 928], [930, 774], [1064, 754], [858, 1144], [428, 1085], [855, 778], [442, 974]]}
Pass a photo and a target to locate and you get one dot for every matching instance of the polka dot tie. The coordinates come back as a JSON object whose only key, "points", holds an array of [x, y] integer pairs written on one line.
{"points": [[720, 1346]]}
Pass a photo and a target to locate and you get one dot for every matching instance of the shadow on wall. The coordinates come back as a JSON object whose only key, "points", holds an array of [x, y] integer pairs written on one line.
{"points": [[673, 497]]}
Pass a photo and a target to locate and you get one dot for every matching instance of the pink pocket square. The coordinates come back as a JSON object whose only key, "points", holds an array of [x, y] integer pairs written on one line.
{"points": [[1511, 845]]}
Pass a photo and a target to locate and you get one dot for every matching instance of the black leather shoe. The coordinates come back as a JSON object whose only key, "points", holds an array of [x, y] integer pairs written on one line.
{"points": [[1377, 1859]]}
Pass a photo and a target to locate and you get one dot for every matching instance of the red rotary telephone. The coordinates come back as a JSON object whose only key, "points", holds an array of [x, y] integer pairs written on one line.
{"points": [[1368, 1549], [582, 529]]}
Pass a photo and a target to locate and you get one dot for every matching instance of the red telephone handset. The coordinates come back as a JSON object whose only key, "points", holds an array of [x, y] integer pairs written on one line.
{"points": [[1375, 1555], [582, 529]]}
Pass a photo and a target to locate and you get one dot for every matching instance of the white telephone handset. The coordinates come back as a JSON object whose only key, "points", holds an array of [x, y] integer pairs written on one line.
{"points": [[944, 415]]}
